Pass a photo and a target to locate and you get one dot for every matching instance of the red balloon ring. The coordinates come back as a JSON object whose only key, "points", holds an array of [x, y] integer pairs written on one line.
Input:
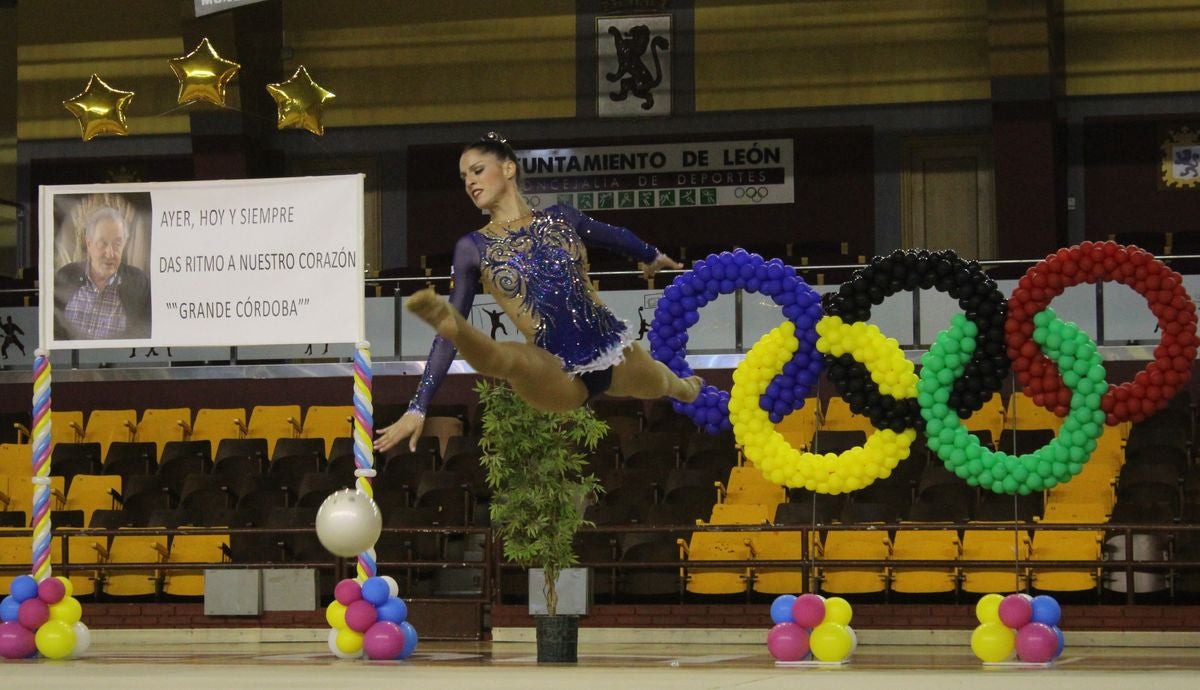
{"points": [[1090, 262]]}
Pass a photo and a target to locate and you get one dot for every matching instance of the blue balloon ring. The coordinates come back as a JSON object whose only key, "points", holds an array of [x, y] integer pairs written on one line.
{"points": [[723, 274]]}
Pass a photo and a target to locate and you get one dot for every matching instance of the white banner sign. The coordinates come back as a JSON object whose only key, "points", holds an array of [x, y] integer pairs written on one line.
{"points": [[227, 262], [710, 173], [206, 7]]}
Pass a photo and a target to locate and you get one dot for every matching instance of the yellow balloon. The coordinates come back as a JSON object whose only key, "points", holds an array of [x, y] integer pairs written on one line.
{"points": [[987, 610], [993, 642], [68, 611], [67, 584], [55, 640], [300, 102], [837, 610], [349, 642], [830, 641], [100, 109], [203, 75], [335, 615]]}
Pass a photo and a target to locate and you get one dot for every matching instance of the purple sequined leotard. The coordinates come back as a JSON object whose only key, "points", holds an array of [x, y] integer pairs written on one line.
{"points": [[541, 267]]}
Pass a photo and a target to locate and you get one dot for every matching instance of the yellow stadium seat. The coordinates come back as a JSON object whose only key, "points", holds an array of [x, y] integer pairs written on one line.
{"points": [[838, 417], [130, 549], [994, 545], [924, 545], [782, 546], [65, 426], [5, 498], [801, 424], [106, 426], [748, 485], [193, 548], [1093, 485], [328, 422], [82, 551], [17, 552], [743, 514], [1093, 512], [1023, 413], [856, 545], [214, 424], [273, 422], [162, 425], [20, 493], [716, 546], [16, 459], [90, 493], [1066, 546], [989, 418]]}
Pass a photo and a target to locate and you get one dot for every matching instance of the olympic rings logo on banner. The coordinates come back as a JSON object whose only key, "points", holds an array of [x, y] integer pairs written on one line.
{"points": [[963, 369], [755, 194]]}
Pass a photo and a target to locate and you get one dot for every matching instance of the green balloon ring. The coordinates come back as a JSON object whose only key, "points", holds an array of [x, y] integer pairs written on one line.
{"points": [[1052, 464]]}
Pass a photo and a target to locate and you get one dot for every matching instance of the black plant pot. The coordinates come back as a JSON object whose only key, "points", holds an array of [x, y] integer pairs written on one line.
{"points": [[557, 639]]}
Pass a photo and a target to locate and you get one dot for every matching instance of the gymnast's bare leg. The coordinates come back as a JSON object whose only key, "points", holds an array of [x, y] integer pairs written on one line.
{"points": [[537, 375]]}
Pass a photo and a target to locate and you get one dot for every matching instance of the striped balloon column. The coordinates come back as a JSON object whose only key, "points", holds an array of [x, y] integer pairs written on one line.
{"points": [[41, 465], [364, 456]]}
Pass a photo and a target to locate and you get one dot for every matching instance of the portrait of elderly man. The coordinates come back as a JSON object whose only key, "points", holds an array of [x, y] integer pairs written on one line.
{"points": [[101, 296]]}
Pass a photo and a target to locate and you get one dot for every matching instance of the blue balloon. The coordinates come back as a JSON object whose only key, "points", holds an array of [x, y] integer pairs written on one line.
{"points": [[410, 639], [781, 609], [9, 609], [1062, 641], [375, 590], [1046, 610], [393, 610], [24, 588]]}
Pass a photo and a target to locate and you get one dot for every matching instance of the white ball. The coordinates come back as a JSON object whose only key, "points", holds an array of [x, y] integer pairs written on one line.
{"points": [[348, 523]]}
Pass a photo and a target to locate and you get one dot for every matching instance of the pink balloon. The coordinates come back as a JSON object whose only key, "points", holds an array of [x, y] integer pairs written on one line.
{"points": [[51, 590], [16, 641], [788, 642], [1015, 611], [361, 615], [1036, 643], [347, 592], [384, 640], [808, 611], [33, 613]]}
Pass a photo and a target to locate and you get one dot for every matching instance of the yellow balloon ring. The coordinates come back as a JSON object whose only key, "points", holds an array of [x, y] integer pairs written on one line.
{"points": [[828, 473]]}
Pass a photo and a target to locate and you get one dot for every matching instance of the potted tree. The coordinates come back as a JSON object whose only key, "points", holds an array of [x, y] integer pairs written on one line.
{"points": [[534, 462]]}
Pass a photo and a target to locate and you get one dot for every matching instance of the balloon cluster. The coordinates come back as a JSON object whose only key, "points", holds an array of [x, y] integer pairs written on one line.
{"points": [[1153, 386], [771, 452], [1018, 624], [724, 274], [977, 295], [42, 617], [1056, 462], [811, 624], [368, 619]]}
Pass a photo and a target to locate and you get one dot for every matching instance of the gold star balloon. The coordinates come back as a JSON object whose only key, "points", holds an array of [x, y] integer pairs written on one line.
{"points": [[300, 102], [100, 109], [203, 74]]}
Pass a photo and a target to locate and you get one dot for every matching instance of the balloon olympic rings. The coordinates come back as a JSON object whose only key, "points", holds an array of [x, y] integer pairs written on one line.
{"points": [[1153, 386], [829, 473], [963, 368], [724, 274]]}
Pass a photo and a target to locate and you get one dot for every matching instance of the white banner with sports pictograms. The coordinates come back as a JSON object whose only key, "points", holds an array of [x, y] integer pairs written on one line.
{"points": [[213, 263]]}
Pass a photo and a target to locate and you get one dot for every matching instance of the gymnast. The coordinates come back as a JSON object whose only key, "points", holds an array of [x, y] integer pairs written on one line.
{"points": [[533, 263]]}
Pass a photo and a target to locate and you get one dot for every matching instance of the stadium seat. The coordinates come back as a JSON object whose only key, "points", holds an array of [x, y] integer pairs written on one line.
{"points": [[66, 426], [716, 546], [70, 459], [192, 548], [652, 582], [15, 552], [924, 545], [989, 418], [1023, 413], [443, 429], [273, 422], [90, 493], [1066, 546], [328, 422], [131, 549], [108, 426], [782, 546], [16, 459], [838, 417], [215, 424], [856, 545], [747, 484], [160, 426]]}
